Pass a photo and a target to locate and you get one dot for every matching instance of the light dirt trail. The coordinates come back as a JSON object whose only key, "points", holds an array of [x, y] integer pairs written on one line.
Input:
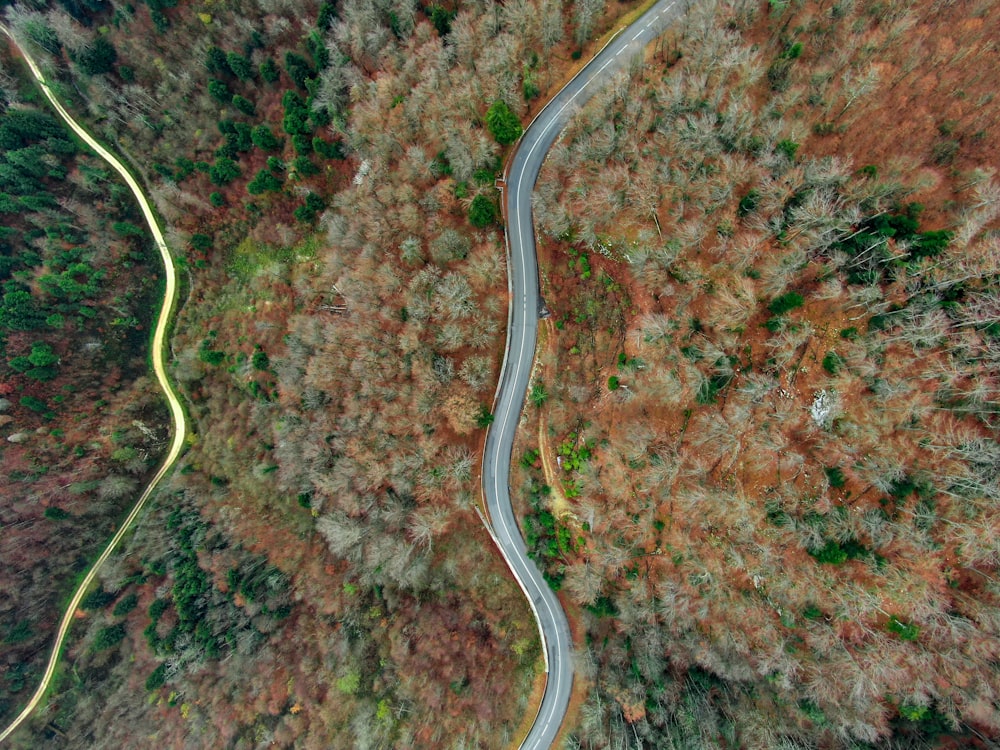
{"points": [[159, 341]]}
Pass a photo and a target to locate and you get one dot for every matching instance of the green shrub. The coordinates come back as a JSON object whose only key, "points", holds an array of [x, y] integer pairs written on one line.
{"points": [[778, 73], [238, 137], [913, 713], [835, 476], [315, 202], [711, 386], [944, 152], [269, 71], [124, 454], [503, 123], [19, 632], [35, 404], [788, 148], [349, 683], [296, 122], [241, 67], [157, 608], [539, 394], [812, 612], [792, 51], [327, 149], [126, 605], [127, 228], [929, 244], [39, 365], [303, 166], [529, 88], [95, 600], [902, 488], [813, 713], [441, 165], [264, 139], [327, 15], [307, 212], [201, 242], [42, 355], [483, 212], [320, 116], [157, 678], [298, 69], [211, 357], [603, 606], [19, 311], [785, 303], [219, 91], [215, 61], [224, 171], [878, 322], [98, 58], [830, 553], [748, 203], [441, 17], [485, 417], [263, 182], [260, 360], [905, 631], [485, 176], [244, 105], [832, 362], [555, 580], [55, 513], [109, 637]]}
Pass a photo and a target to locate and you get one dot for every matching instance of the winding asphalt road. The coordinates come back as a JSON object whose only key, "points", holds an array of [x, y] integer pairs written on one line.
{"points": [[159, 369], [522, 332]]}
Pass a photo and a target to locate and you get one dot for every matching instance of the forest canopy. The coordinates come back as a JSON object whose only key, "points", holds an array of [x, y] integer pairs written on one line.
{"points": [[758, 457]]}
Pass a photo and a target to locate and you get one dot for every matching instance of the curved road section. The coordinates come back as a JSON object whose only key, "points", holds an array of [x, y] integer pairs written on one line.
{"points": [[159, 368], [522, 331]]}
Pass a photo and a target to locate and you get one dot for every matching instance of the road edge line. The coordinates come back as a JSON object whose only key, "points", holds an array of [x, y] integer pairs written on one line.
{"points": [[179, 419]]}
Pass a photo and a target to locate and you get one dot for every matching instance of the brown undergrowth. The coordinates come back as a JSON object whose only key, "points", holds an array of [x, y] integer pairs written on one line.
{"points": [[779, 509]]}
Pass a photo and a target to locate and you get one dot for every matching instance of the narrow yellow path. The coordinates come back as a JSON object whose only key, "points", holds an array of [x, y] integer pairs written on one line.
{"points": [[159, 368]]}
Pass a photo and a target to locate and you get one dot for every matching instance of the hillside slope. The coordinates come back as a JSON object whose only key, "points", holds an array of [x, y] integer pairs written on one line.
{"points": [[771, 381]]}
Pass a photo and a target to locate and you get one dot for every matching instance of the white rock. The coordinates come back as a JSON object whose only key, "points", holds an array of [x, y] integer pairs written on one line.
{"points": [[823, 409], [363, 170]]}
